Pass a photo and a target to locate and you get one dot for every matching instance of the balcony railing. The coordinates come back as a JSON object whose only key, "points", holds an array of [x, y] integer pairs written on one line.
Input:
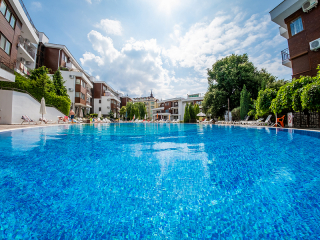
{"points": [[285, 55], [27, 45], [28, 16], [7, 65]]}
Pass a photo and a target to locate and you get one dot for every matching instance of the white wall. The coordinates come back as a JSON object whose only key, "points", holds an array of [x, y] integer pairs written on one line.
{"points": [[104, 105], [5, 106], [15, 104]]}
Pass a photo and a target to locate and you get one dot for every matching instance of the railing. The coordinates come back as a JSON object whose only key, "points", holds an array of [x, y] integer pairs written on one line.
{"points": [[8, 66], [27, 46], [285, 55], [28, 16]]}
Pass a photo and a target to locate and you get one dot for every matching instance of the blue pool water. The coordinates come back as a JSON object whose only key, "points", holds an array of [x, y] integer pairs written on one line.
{"points": [[159, 181]]}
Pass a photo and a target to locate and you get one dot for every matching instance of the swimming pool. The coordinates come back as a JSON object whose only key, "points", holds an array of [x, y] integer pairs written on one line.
{"points": [[155, 181]]}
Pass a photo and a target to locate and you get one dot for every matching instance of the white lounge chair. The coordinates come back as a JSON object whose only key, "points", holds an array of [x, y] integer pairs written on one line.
{"points": [[267, 122], [255, 122], [25, 118], [245, 121]]}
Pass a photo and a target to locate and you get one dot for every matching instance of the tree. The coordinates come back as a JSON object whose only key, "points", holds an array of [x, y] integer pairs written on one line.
{"points": [[58, 83], [123, 111], [111, 114], [310, 97], [41, 80], [192, 112], [236, 114], [196, 110], [226, 80], [141, 109], [186, 116], [244, 102], [264, 100], [130, 110]]}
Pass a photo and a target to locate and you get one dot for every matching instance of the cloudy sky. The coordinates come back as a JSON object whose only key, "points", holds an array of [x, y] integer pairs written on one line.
{"points": [[164, 45]]}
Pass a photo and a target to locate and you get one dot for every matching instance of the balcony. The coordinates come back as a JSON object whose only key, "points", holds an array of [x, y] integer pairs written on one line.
{"points": [[26, 50], [7, 70], [286, 58]]}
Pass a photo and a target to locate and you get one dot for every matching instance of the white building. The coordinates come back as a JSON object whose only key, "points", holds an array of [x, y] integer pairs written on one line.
{"points": [[174, 108], [106, 99]]}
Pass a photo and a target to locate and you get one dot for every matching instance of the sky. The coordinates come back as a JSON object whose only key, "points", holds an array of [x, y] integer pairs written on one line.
{"points": [[165, 46]]}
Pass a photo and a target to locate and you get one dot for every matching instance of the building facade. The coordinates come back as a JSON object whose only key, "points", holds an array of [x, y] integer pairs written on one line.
{"points": [[124, 100], [79, 84], [150, 103], [105, 99], [18, 40], [299, 24], [174, 108]]}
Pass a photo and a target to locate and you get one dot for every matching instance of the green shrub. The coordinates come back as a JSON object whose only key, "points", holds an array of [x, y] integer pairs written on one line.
{"points": [[236, 114]]}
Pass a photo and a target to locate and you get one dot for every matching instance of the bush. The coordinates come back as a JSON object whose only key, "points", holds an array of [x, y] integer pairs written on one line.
{"points": [[236, 114], [40, 85], [94, 115]]}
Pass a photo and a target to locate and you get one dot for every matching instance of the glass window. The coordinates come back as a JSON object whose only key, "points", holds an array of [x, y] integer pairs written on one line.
{"points": [[152, 107], [77, 94], [8, 14], [8, 47], [3, 7], [13, 21], [78, 81], [296, 26], [3, 42], [99, 101]]}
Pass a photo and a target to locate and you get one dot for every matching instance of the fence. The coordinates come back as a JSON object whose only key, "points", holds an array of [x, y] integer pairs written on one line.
{"points": [[306, 119]]}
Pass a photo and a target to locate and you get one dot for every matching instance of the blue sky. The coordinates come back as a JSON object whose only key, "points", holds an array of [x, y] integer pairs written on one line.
{"points": [[166, 46]]}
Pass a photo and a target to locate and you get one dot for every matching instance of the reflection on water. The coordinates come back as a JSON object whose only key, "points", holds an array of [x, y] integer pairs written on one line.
{"points": [[158, 181]]}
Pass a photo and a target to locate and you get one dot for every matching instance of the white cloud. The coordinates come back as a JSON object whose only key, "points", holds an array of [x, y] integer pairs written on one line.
{"points": [[110, 26], [36, 5], [143, 65]]}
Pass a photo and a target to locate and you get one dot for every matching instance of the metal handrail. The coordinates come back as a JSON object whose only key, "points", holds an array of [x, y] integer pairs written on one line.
{"points": [[285, 55], [28, 16]]}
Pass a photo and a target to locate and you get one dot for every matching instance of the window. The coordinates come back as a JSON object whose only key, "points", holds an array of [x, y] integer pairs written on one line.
{"points": [[78, 81], [13, 21], [152, 103], [7, 14], [167, 111], [83, 84], [99, 109], [65, 58], [77, 94], [99, 101], [83, 96], [296, 26], [152, 107], [3, 7], [5, 44]]}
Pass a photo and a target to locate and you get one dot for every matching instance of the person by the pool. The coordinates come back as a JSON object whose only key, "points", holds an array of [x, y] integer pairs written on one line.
{"points": [[71, 115]]}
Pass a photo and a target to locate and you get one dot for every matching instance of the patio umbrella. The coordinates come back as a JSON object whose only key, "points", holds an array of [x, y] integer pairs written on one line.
{"points": [[99, 114], [81, 113], [115, 115], [145, 116], [43, 108], [201, 114]]}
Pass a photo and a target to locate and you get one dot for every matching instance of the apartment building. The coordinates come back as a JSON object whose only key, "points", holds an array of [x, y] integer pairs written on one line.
{"points": [[78, 83], [106, 99], [298, 22], [124, 100], [18, 40], [150, 103], [174, 107]]}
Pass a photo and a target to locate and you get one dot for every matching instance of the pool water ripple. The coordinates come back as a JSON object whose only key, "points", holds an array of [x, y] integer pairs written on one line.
{"points": [[159, 181]]}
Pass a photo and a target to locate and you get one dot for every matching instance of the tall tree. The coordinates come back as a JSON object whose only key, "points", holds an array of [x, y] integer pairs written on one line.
{"points": [[186, 117], [196, 110], [226, 79], [40, 79], [58, 82], [244, 102], [130, 110], [123, 111], [192, 112]]}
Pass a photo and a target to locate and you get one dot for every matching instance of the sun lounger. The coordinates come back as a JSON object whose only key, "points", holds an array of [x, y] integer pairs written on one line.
{"points": [[45, 120], [25, 118], [267, 122], [255, 122], [245, 121]]}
